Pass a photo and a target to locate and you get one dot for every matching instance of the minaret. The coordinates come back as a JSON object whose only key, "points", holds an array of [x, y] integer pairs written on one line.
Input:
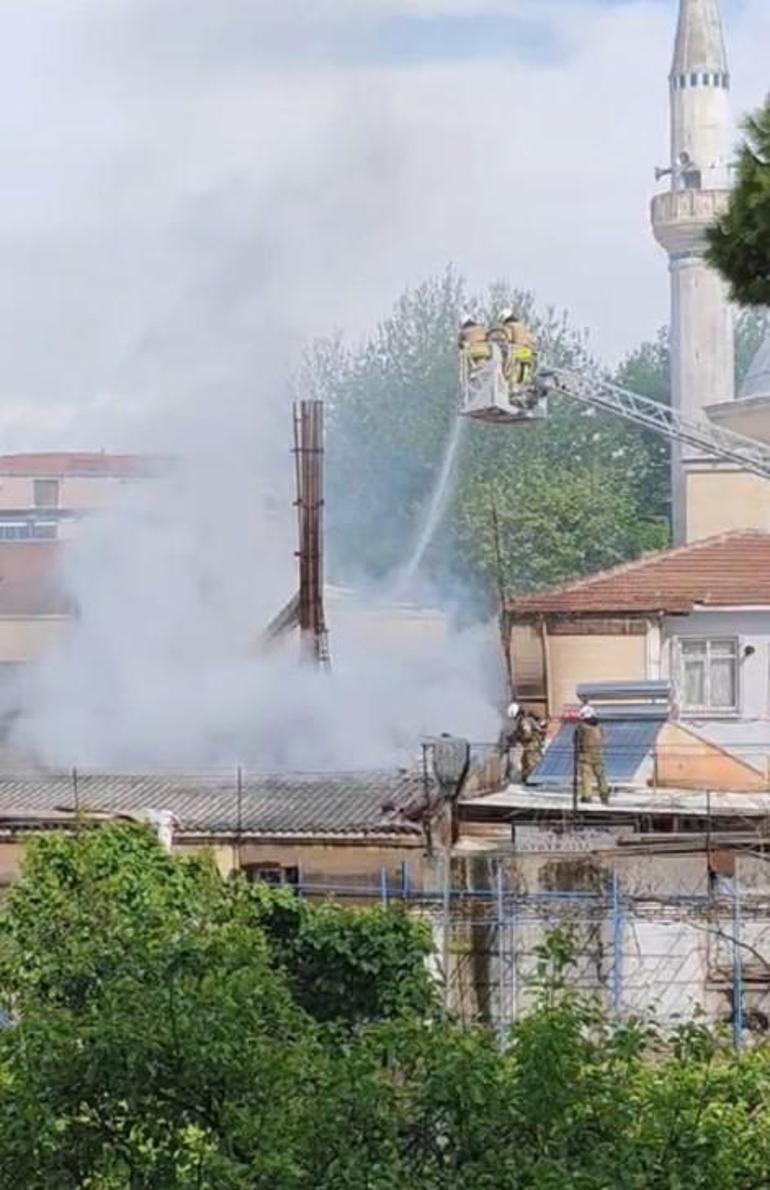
{"points": [[702, 349]]}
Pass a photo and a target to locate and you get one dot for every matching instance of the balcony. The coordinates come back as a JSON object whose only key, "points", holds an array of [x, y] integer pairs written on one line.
{"points": [[680, 218]]}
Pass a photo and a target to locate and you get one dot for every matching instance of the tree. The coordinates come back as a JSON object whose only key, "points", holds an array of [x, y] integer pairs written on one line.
{"points": [[159, 1044], [571, 495], [392, 404], [345, 966], [739, 242], [166, 1027]]}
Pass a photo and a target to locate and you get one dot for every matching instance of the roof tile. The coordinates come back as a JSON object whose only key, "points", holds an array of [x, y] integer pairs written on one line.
{"points": [[732, 569], [283, 803], [58, 465]]}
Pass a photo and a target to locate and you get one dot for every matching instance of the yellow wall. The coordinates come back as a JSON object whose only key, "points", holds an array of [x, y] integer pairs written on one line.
{"points": [[720, 501], [576, 659], [23, 638], [18, 491], [323, 863], [684, 760], [331, 864]]}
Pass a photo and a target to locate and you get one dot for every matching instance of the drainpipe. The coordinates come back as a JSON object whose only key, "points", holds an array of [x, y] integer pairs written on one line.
{"points": [[654, 648], [546, 665], [163, 823]]}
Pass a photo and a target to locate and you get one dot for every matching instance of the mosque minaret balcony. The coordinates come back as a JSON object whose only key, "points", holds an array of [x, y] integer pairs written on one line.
{"points": [[680, 218]]}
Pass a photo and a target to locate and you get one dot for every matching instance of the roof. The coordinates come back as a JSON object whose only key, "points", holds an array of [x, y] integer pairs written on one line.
{"points": [[731, 570], [699, 38], [375, 803], [58, 465], [709, 805], [757, 382]]}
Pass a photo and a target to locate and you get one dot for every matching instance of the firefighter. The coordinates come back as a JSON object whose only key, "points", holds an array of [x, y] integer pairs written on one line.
{"points": [[473, 341], [589, 741], [522, 350], [500, 337], [526, 733]]}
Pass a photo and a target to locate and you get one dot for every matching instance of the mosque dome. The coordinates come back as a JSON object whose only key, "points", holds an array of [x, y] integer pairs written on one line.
{"points": [[757, 382]]}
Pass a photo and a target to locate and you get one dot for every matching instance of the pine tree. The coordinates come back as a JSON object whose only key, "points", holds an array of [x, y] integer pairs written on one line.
{"points": [[739, 242]]}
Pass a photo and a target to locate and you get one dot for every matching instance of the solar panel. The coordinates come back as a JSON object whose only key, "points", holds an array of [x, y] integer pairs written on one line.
{"points": [[627, 744]]}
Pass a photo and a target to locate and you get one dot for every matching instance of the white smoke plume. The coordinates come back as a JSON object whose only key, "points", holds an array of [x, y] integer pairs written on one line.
{"points": [[159, 669]]}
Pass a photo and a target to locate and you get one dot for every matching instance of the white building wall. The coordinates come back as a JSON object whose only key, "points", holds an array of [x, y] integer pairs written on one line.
{"points": [[746, 732]]}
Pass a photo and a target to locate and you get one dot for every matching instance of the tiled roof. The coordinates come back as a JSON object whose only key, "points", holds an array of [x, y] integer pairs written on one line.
{"points": [[78, 463], [732, 570], [315, 804]]}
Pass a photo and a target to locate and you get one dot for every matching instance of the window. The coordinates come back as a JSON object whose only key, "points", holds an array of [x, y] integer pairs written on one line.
{"points": [[706, 80], [46, 493], [28, 530], [708, 675], [45, 530], [15, 531], [682, 80], [275, 874], [693, 80]]}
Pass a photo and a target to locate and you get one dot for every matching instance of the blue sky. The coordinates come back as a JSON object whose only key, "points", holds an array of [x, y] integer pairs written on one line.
{"points": [[536, 35]]}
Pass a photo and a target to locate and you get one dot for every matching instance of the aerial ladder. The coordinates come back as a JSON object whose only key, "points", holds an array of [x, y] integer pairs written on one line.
{"points": [[489, 396]]}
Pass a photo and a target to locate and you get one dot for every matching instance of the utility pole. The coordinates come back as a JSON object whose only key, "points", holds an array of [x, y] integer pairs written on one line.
{"points": [[308, 456], [502, 618]]}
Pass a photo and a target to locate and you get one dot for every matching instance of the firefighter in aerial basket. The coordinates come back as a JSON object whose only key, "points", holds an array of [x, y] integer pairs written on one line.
{"points": [[521, 359], [475, 345]]}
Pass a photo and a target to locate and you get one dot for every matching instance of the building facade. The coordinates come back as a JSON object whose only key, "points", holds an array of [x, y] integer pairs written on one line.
{"points": [[697, 616], [43, 496]]}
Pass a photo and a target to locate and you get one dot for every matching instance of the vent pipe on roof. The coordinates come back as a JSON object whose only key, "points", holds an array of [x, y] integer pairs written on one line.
{"points": [[163, 823]]}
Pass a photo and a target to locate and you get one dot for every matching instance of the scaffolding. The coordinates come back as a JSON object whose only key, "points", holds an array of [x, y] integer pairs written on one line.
{"points": [[659, 958]]}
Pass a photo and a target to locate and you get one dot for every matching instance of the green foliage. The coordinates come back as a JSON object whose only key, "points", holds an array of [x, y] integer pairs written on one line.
{"points": [[172, 1030], [392, 403], [739, 242], [574, 494], [166, 1019], [346, 966]]}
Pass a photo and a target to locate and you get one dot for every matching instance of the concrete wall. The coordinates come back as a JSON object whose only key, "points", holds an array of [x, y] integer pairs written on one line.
{"points": [[324, 863], [638, 954], [24, 638], [719, 501], [685, 760], [321, 863], [79, 492], [575, 659], [76, 491]]}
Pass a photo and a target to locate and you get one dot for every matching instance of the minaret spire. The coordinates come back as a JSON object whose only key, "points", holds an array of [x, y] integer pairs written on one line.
{"points": [[700, 42], [700, 100]]}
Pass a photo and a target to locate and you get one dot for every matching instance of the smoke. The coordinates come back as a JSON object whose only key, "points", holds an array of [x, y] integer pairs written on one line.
{"points": [[163, 666], [223, 181], [175, 581]]}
